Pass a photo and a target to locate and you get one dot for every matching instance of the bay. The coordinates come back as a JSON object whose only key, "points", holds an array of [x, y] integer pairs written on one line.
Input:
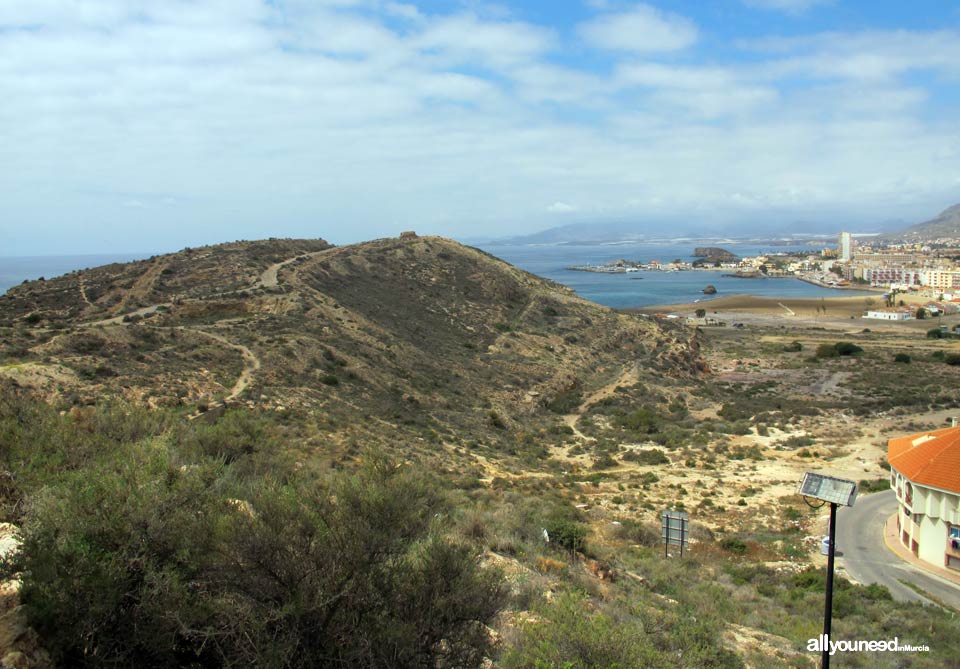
{"points": [[648, 288]]}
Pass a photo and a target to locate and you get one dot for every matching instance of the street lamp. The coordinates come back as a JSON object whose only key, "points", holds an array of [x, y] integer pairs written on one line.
{"points": [[833, 491]]}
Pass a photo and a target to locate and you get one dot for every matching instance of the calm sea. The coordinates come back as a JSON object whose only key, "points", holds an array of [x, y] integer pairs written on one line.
{"points": [[636, 289], [641, 289]]}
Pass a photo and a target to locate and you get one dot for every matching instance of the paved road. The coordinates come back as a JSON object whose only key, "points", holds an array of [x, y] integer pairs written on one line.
{"points": [[867, 560]]}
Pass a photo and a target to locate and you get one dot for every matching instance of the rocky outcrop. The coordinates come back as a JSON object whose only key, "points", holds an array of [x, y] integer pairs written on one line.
{"points": [[713, 254]]}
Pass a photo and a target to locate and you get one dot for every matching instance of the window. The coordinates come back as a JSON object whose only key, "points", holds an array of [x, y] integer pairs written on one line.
{"points": [[955, 531]]}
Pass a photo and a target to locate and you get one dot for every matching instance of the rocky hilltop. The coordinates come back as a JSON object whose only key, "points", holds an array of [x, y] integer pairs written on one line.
{"points": [[420, 334]]}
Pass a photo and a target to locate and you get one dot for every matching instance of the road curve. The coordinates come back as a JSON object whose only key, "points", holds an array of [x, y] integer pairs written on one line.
{"points": [[867, 559]]}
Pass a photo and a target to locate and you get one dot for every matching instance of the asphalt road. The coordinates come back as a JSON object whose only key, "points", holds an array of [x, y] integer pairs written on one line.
{"points": [[867, 560]]}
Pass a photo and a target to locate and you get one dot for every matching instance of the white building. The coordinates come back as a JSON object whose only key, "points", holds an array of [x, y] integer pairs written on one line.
{"points": [[925, 473], [889, 276], [845, 246], [889, 314]]}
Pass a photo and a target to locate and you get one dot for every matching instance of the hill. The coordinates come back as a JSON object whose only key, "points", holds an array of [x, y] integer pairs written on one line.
{"points": [[421, 335], [945, 226]]}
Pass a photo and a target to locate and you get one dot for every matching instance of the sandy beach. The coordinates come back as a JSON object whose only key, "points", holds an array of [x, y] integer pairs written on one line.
{"points": [[813, 310], [805, 306]]}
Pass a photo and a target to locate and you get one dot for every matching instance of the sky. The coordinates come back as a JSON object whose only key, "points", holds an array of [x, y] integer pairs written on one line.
{"points": [[146, 125]]}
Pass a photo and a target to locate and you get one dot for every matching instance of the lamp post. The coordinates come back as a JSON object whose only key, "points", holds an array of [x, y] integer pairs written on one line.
{"points": [[832, 491]]}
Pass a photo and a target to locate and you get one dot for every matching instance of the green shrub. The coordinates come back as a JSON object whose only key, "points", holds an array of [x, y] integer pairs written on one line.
{"points": [[647, 456], [566, 532], [566, 401], [841, 348], [734, 545], [901, 357], [793, 347], [642, 421], [138, 561], [571, 636]]}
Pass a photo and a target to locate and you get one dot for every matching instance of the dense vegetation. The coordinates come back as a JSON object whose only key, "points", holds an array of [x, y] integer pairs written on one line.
{"points": [[147, 544], [149, 541]]}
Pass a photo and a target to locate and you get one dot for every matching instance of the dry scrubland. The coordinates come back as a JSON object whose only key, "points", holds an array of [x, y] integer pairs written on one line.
{"points": [[333, 455]]}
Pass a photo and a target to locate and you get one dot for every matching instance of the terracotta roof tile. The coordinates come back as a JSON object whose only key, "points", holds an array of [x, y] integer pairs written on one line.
{"points": [[928, 458]]}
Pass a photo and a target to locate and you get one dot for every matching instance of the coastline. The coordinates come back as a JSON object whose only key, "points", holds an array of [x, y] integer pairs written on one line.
{"points": [[750, 308]]}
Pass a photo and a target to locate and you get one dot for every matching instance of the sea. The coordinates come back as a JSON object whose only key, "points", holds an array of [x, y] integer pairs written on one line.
{"points": [[649, 288], [634, 289]]}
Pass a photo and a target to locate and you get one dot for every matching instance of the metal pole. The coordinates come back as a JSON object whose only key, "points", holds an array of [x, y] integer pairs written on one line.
{"points": [[828, 605], [683, 526], [666, 538]]}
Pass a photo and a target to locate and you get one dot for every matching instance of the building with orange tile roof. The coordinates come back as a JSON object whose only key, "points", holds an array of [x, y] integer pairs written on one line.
{"points": [[925, 473]]}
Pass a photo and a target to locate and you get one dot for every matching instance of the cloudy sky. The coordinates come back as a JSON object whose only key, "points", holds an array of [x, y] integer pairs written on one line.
{"points": [[146, 125]]}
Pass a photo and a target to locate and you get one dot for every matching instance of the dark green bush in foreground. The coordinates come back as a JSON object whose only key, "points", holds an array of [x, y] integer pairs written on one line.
{"points": [[137, 561]]}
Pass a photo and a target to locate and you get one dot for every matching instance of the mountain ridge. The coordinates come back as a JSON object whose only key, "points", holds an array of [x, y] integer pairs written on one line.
{"points": [[945, 225]]}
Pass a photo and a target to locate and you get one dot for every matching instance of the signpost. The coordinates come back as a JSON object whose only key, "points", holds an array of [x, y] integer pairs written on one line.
{"points": [[675, 529], [832, 491]]}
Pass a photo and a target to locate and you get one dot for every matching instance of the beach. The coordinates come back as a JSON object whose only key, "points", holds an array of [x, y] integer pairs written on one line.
{"points": [[839, 311]]}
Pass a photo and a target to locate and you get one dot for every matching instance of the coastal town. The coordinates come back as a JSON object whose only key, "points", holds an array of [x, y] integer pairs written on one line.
{"points": [[912, 280]]}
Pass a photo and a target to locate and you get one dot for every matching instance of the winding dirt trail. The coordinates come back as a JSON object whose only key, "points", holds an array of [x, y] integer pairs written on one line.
{"points": [[630, 376], [83, 289], [250, 359], [270, 276]]}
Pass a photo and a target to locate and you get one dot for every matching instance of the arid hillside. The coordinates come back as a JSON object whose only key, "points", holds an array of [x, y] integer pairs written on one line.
{"points": [[422, 335]]}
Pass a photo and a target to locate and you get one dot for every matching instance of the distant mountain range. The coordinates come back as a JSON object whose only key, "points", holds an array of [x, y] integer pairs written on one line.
{"points": [[947, 224], [586, 233]]}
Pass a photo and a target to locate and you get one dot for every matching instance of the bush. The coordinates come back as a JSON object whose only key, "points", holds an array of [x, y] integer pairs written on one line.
{"points": [[566, 532], [952, 359], [734, 545], [141, 562], [841, 348], [793, 347], [651, 456], [573, 637], [566, 401], [901, 357], [641, 421]]}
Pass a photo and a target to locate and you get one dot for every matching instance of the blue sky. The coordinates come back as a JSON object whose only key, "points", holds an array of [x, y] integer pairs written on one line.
{"points": [[148, 126]]}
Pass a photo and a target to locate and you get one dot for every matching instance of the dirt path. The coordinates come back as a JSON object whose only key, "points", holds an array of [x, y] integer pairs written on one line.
{"points": [[270, 279], [828, 383], [118, 320], [251, 362], [630, 376], [141, 287], [83, 289]]}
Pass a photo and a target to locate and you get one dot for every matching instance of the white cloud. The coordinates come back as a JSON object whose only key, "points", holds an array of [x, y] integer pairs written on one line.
{"points": [[789, 6], [467, 39], [561, 208], [643, 28], [869, 55]]}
